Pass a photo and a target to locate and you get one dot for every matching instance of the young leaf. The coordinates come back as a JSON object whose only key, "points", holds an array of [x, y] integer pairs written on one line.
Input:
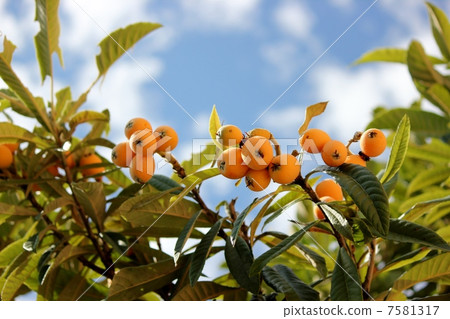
{"points": [[310, 112], [422, 122], [202, 251], [92, 198], [408, 232], [365, 190], [338, 221], [406, 259], [46, 40], [184, 236], [214, 125], [345, 282], [441, 29], [113, 46], [394, 55], [205, 290], [431, 194], [433, 176], [87, 116], [439, 96], [200, 176], [420, 208], [398, 150], [10, 252], [283, 279], [436, 151], [239, 259], [432, 269], [132, 282], [285, 244]]}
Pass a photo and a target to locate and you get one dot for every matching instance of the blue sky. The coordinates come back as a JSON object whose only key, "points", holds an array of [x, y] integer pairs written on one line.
{"points": [[239, 55]]}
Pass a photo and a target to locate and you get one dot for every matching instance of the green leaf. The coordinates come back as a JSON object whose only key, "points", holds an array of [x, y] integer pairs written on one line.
{"points": [[314, 259], [421, 208], [421, 68], [430, 270], [214, 125], [46, 40], [163, 183], [87, 116], [184, 236], [365, 190], [398, 150], [10, 133], [18, 276], [436, 151], [69, 252], [310, 112], [113, 46], [12, 80], [7, 209], [441, 29], [283, 279], [202, 251], [431, 194], [345, 282], [422, 122], [200, 176], [204, 290], [439, 96], [390, 55], [434, 175], [407, 259], [240, 220], [145, 209], [408, 232], [239, 259], [8, 253], [337, 220], [63, 101], [92, 198], [132, 282], [285, 244], [290, 199]]}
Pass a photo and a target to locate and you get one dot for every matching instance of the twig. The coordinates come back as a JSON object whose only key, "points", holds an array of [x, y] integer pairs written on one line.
{"points": [[370, 270]]}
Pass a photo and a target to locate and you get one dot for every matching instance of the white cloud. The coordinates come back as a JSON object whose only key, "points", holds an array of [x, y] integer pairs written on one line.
{"points": [[294, 19], [18, 29], [283, 59], [219, 14]]}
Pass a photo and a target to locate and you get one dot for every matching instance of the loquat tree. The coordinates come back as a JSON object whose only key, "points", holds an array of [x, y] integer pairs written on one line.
{"points": [[75, 226]]}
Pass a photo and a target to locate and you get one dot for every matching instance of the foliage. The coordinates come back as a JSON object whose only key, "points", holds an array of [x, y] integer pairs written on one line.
{"points": [[67, 236]]}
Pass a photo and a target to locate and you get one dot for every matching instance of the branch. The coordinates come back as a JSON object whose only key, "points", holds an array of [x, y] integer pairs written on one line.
{"points": [[370, 270]]}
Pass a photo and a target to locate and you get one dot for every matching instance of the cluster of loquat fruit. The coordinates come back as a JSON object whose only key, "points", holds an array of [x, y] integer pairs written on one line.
{"points": [[252, 156], [142, 143], [334, 153]]}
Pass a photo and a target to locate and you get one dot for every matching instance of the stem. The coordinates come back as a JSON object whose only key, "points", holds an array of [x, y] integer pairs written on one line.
{"points": [[276, 145], [356, 137], [370, 270]]}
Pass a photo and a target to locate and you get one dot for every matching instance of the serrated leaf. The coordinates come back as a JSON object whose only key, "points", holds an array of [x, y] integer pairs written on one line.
{"points": [[430, 270], [398, 150], [285, 244], [409, 232], [184, 235], [394, 55], [163, 183], [11, 133], [405, 260], [429, 177], [92, 198], [310, 112], [69, 252], [441, 29], [18, 276], [239, 259], [46, 40], [132, 282], [87, 116], [283, 279], [338, 220], [204, 290], [113, 46], [365, 190], [422, 122], [345, 282], [240, 220], [202, 251], [214, 125], [15, 84], [436, 151], [431, 194], [316, 260], [439, 96], [421, 208]]}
